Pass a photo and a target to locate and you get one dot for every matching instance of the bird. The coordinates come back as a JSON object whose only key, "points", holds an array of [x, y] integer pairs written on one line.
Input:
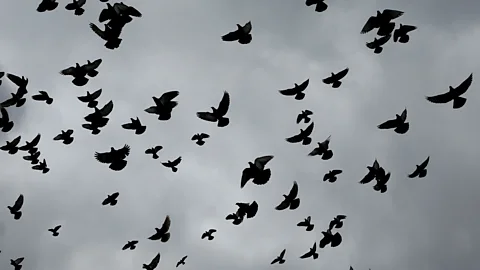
{"points": [[297, 90], [153, 151], [153, 264], [16, 207], [401, 33], [76, 6], [47, 5], [1, 76], [331, 176], [42, 166], [399, 124], [280, 259], [91, 67], [323, 150], [163, 233], [78, 73], [31, 146], [372, 172], [381, 184], [173, 164], [320, 5], [247, 209], [311, 253], [54, 231], [5, 123], [126, 11], [11, 147], [109, 34], [130, 245], [17, 99], [164, 105], [65, 137], [218, 114], [199, 138], [303, 136], [236, 219], [328, 238], [90, 99], [22, 83], [209, 234], [290, 201], [334, 79], [98, 118], [337, 222], [307, 223], [421, 170], [305, 116], [43, 96], [17, 263], [376, 44], [32, 157], [111, 199], [136, 125], [382, 21], [182, 261], [453, 94], [242, 34], [116, 157], [257, 171]]}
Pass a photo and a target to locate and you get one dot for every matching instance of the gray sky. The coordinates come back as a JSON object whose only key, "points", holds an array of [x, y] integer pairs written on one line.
{"points": [[428, 223]]}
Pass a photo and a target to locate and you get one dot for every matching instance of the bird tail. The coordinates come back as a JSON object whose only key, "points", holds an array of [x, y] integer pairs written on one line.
{"points": [[80, 81], [300, 96], [13, 151], [327, 155], [164, 116], [321, 7], [113, 44], [155, 156], [378, 50], [140, 130], [295, 204], [383, 188], [315, 256], [118, 165], [92, 73], [174, 169], [17, 215], [336, 84], [458, 102], [404, 39], [282, 261], [309, 227], [210, 237], [92, 104], [223, 122], [7, 126], [307, 141], [423, 173], [79, 11], [201, 142], [49, 101], [403, 128]]}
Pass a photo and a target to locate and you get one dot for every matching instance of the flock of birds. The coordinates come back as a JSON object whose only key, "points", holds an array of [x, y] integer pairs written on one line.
{"points": [[116, 17]]}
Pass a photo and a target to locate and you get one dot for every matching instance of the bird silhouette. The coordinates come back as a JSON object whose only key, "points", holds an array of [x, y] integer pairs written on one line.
{"points": [[136, 125], [320, 5], [91, 67], [47, 5], [17, 99], [110, 35], [257, 171], [376, 44], [382, 180], [90, 99], [334, 79], [372, 172], [199, 138], [236, 219], [218, 114], [331, 176], [126, 11], [130, 245], [303, 136], [43, 96], [401, 33], [21, 83], [98, 118], [153, 151], [209, 234], [421, 170], [1, 76], [382, 21], [31, 146], [17, 263], [297, 90], [5, 123], [164, 105], [42, 166], [328, 238], [32, 157], [182, 261], [16, 207], [76, 6], [163, 233], [305, 116], [65, 136], [280, 258], [54, 230], [248, 210], [111, 199], [116, 157], [173, 164], [78, 73], [453, 94], [311, 253], [11, 147], [337, 222], [242, 34], [290, 201], [153, 264], [307, 223], [399, 124], [323, 150]]}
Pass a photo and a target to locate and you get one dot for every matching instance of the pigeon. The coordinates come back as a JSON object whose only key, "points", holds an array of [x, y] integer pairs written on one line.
{"points": [[31, 146], [247, 209], [372, 172], [116, 158], [173, 164], [17, 99], [323, 150], [47, 5], [91, 67], [242, 34], [164, 105], [334, 79], [17, 263], [65, 136], [311, 253], [337, 222], [90, 99], [297, 90], [421, 170], [401, 33], [303, 136], [153, 264], [163, 233], [399, 124], [42, 166], [43, 96], [304, 115], [331, 176], [199, 138], [257, 171], [236, 219], [376, 44], [78, 73], [209, 234], [17, 206], [307, 223], [382, 21], [22, 83], [108, 13], [11, 147], [5, 124], [54, 231], [290, 201], [280, 259], [218, 114], [182, 261], [111, 199], [126, 11], [76, 5], [454, 94], [381, 184], [136, 125], [320, 5], [328, 238], [98, 118], [153, 151], [109, 34], [130, 245], [32, 157]]}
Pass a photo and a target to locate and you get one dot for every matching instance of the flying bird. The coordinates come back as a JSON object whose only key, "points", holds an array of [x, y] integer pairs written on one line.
{"points": [[334, 79], [331, 176], [257, 171], [42, 166], [323, 150], [5, 123], [11, 147], [47, 5], [421, 170], [372, 172], [297, 90], [32, 157], [78, 73], [320, 5], [307, 223], [311, 253], [218, 114], [130, 245], [382, 21], [182, 261], [200, 138], [305, 116], [454, 94], [153, 151], [17, 99], [43, 96], [173, 164], [116, 157], [22, 83], [242, 34], [109, 34], [376, 44], [303, 136], [163, 233], [31, 146], [164, 105], [111, 199], [280, 259], [209, 234], [328, 238], [401, 33], [90, 99], [17, 263], [399, 124], [136, 125], [65, 136], [98, 118], [16, 207], [290, 201], [153, 264], [91, 67], [248, 210], [337, 222], [54, 230], [76, 6], [382, 180]]}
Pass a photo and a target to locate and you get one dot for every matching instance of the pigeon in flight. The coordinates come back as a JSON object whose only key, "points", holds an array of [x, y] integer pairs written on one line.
{"points": [[32, 157], [209, 234], [382, 21], [307, 223], [454, 94], [163, 233], [248, 210], [126, 11], [164, 105], [16, 207], [111, 199], [257, 171], [153, 151], [22, 83], [17, 99], [280, 259], [242, 34], [130, 245], [401, 33], [337, 222], [173, 164], [5, 124], [17, 263], [109, 34], [42, 166], [331, 176], [65, 137], [43, 96], [372, 172], [304, 116], [116, 158], [182, 261], [136, 125], [320, 5], [54, 231], [376, 44], [90, 99], [11, 147], [76, 5], [98, 118], [323, 150], [1, 76], [79, 73], [303, 136], [382, 180], [297, 90], [328, 238], [153, 264], [311, 253], [399, 124], [421, 170], [199, 138], [334, 79], [218, 114], [31, 146], [47, 5], [290, 201]]}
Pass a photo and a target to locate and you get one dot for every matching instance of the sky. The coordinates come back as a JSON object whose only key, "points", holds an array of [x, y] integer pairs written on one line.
{"points": [[422, 224]]}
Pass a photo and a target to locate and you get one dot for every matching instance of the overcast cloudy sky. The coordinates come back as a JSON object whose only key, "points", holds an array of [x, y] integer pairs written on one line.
{"points": [[420, 224]]}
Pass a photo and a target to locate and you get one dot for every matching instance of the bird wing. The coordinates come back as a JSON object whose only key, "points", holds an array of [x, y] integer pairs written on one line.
{"points": [[207, 116], [392, 14], [369, 25], [247, 28], [68, 71], [166, 225], [96, 94], [38, 97], [231, 36], [15, 79], [260, 162], [158, 148], [16, 140], [335, 172], [93, 65], [155, 261], [381, 41], [86, 98], [303, 85], [195, 137], [104, 15], [81, 3], [308, 112], [414, 173], [107, 109], [302, 223], [204, 136], [342, 74], [396, 34], [403, 116], [128, 126], [275, 261], [425, 163], [97, 30], [463, 87], [224, 104], [124, 151], [105, 157], [309, 129], [246, 175], [5, 117], [306, 255], [441, 98], [283, 205], [282, 254], [372, 45], [329, 80], [294, 191], [176, 161], [18, 203], [295, 139], [168, 96], [9, 102], [36, 140], [408, 28], [299, 118], [289, 92], [388, 124]]}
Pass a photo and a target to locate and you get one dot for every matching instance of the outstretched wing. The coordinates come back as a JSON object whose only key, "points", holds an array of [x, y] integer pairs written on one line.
{"points": [[18, 203], [15, 79], [124, 151], [463, 87], [107, 109], [207, 116], [106, 157], [232, 36], [441, 98], [342, 74], [294, 191], [224, 104], [68, 71], [388, 124], [260, 162], [168, 96], [97, 30], [369, 25], [166, 225]]}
